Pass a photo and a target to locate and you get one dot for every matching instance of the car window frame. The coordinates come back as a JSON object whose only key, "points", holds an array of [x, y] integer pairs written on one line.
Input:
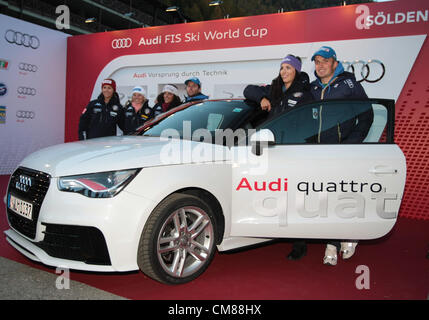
{"points": [[235, 125], [389, 104]]}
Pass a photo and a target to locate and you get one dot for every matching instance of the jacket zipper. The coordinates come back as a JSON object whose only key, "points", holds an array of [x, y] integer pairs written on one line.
{"points": [[320, 112]]}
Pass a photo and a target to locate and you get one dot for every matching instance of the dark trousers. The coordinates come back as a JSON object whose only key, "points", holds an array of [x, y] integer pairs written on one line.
{"points": [[301, 244], [335, 243]]}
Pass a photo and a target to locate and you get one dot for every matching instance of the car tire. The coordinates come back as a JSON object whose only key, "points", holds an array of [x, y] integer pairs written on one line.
{"points": [[178, 241]]}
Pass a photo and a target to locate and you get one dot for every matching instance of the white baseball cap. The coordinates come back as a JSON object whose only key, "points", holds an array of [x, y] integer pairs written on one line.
{"points": [[139, 90], [170, 88]]}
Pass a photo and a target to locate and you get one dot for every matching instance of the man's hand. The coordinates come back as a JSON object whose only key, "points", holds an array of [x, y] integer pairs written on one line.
{"points": [[265, 104]]}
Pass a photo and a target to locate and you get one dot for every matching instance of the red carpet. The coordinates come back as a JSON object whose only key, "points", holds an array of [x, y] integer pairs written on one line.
{"points": [[397, 263]]}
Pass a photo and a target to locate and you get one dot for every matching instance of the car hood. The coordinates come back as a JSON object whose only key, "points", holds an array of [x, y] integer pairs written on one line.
{"points": [[118, 153]]}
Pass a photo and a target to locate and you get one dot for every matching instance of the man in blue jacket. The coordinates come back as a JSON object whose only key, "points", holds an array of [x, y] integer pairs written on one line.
{"points": [[332, 82], [193, 89]]}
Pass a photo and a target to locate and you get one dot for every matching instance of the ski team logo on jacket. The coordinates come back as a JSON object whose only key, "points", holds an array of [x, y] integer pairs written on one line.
{"points": [[349, 83], [315, 113]]}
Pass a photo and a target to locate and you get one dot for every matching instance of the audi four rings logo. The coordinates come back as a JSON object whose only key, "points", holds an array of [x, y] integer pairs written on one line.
{"points": [[27, 67], [370, 71], [24, 184], [26, 91], [27, 181], [23, 114], [22, 39], [122, 43]]}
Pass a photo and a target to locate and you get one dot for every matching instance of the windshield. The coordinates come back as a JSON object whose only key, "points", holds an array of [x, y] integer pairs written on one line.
{"points": [[207, 117]]}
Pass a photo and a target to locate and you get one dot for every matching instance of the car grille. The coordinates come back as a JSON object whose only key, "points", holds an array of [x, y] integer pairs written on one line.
{"points": [[35, 195], [79, 243]]}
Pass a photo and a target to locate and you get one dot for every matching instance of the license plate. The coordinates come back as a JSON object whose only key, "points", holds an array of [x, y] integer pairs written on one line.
{"points": [[21, 207]]}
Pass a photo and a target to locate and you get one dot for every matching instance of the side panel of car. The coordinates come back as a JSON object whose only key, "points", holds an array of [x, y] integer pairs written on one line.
{"points": [[329, 169], [214, 178], [114, 217], [319, 191]]}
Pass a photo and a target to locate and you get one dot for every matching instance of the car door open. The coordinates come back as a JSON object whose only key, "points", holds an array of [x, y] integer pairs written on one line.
{"points": [[333, 171]]}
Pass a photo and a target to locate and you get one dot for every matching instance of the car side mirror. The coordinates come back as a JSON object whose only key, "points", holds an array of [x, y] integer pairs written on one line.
{"points": [[261, 139]]}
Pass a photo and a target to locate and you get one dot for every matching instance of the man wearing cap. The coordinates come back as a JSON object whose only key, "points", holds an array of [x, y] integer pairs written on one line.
{"points": [[136, 111], [332, 82], [193, 89], [101, 116], [167, 99]]}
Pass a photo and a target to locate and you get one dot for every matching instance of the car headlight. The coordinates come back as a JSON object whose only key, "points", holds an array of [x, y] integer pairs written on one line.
{"points": [[98, 185]]}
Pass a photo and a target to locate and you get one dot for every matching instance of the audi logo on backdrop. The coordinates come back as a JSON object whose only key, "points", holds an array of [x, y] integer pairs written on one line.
{"points": [[370, 71], [24, 114], [27, 67], [22, 39], [122, 43], [26, 91]]}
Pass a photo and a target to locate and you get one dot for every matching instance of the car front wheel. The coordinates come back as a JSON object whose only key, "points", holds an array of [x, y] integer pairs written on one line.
{"points": [[178, 240]]}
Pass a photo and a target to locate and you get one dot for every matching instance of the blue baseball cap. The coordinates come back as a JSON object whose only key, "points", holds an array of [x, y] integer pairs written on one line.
{"points": [[325, 52], [194, 80]]}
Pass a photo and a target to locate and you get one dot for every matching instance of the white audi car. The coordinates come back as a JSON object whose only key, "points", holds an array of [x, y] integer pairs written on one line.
{"points": [[213, 174]]}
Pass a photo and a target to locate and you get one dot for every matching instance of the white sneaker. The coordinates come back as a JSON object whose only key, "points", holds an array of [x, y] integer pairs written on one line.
{"points": [[348, 249], [330, 255]]}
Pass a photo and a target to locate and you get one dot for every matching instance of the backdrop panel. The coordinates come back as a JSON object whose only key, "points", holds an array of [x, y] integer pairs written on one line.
{"points": [[32, 89], [386, 43]]}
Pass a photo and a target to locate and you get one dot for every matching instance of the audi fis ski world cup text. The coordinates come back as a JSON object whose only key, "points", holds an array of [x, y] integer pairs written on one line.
{"points": [[176, 38]]}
